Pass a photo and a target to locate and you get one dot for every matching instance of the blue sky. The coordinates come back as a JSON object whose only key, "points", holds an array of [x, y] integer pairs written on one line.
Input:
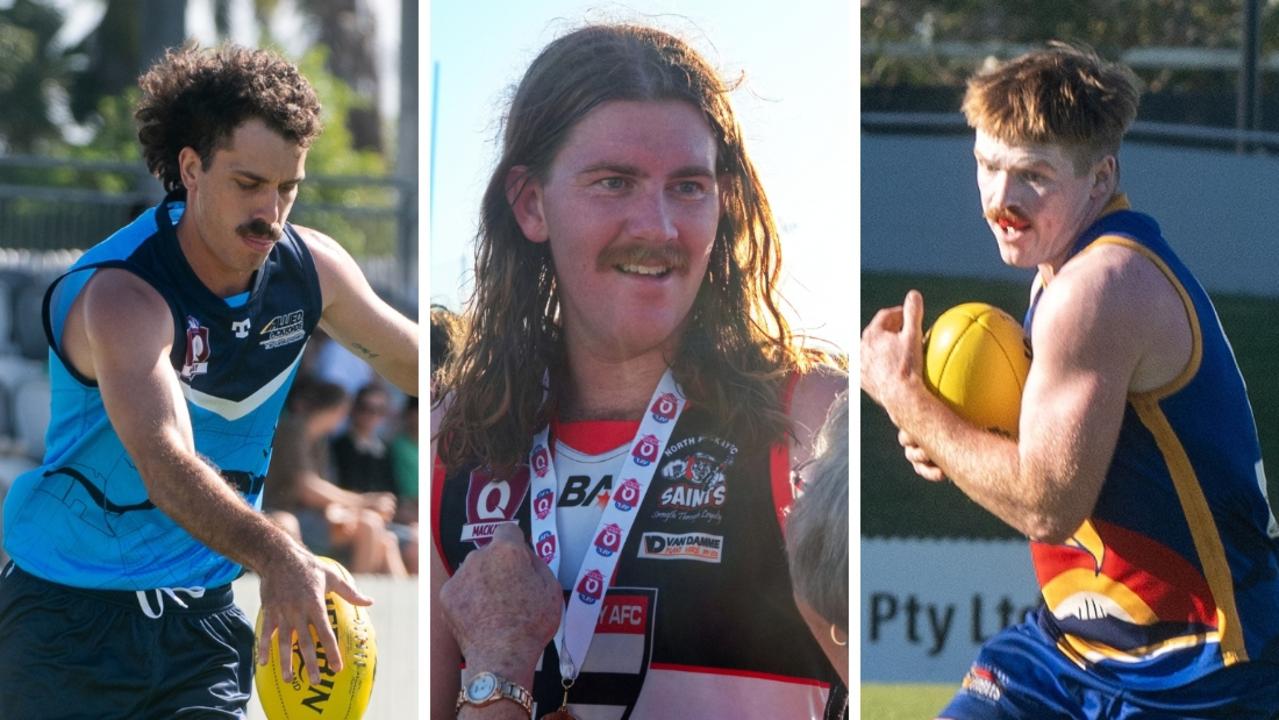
{"points": [[796, 108]]}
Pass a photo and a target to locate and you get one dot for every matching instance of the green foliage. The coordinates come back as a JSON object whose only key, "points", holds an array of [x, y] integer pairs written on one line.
{"points": [[29, 72], [1003, 28], [904, 701], [333, 153]]}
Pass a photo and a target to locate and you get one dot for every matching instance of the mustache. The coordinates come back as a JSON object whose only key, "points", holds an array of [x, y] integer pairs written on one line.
{"points": [[670, 255], [260, 228], [1008, 213]]}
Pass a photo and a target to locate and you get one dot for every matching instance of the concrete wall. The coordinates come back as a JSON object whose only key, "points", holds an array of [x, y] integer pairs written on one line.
{"points": [[921, 212]]}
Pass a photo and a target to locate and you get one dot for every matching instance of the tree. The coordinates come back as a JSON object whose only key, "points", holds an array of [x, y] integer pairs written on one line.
{"points": [[32, 72]]}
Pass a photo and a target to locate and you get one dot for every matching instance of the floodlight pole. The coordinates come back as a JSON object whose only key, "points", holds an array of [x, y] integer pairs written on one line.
{"points": [[1248, 109]]}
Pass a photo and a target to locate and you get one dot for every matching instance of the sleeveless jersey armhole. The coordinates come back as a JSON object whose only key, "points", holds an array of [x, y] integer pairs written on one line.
{"points": [[438, 478], [53, 329], [779, 462]]}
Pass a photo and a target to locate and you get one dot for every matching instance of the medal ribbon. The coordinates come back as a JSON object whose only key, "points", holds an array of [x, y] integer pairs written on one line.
{"points": [[577, 625]]}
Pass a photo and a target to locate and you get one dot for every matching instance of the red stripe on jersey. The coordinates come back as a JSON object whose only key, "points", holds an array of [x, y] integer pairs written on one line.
{"points": [[808, 682]]}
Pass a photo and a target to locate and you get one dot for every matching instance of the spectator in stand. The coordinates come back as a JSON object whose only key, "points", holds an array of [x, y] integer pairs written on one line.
{"points": [[362, 463], [404, 458], [326, 518]]}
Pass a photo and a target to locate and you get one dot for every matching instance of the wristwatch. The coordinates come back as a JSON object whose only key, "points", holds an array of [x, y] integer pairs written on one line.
{"points": [[486, 688]]}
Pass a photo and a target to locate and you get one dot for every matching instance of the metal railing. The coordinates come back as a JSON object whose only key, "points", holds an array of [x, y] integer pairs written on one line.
{"points": [[52, 204]]}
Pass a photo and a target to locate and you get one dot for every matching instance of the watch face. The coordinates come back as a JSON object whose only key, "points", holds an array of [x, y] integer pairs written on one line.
{"points": [[481, 687]]}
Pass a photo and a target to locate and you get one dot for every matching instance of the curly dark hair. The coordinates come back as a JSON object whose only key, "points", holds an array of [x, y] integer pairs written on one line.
{"points": [[197, 97]]}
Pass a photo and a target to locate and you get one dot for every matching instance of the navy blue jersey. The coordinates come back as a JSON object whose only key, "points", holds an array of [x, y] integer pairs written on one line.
{"points": [[83, 517], [1176, 572]]}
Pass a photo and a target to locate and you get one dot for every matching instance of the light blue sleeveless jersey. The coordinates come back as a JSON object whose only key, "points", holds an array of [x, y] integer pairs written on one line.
{"points": [[83, 517]]}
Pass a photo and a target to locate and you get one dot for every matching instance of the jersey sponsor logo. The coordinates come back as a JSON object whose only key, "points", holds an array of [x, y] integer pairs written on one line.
{"points": [[985, 683], [541, 460], [646, 449], [491, 501], [591, 588], [283, 330], [198, 350], [628, 495], [702, 547], [546, 546], [240, 328], [543, 502], [663, 409], [609, 540], [578, 491]]}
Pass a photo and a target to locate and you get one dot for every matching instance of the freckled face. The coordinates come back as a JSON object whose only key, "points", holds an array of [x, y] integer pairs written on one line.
{"points": [[1033, 200], [630, 207]]}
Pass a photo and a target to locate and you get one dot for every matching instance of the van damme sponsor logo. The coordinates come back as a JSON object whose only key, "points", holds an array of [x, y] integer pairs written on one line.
{"points": [[686, 546]]}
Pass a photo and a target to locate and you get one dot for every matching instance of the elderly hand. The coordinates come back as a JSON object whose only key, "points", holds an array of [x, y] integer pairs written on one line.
{"points": [[503, 605]]}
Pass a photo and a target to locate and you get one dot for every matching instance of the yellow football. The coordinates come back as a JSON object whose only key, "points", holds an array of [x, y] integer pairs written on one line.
{"points": [[342, 694], [976, 358]]}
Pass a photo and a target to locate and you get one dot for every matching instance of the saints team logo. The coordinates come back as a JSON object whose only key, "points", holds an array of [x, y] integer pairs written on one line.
{"points": [[664, 407], [627, 495], [541, 460], [546, 547], [197, 356], [543, 502], [609, 540], [591, 588], [645, 451]]}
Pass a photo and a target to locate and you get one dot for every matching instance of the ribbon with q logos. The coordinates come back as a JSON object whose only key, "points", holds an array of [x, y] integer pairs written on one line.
{"points": [[577, 625]]}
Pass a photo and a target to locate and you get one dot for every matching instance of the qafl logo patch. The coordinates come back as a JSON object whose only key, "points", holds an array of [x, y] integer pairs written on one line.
{"points": [[198, 350], [543, 502], [645, 452], [664, 408], [591, 588], [627, 495], [541, 460], [491, 501], [609, 540], [546, 547]]}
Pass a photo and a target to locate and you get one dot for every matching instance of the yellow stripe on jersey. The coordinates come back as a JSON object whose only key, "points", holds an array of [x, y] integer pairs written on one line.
{"points": [[1203, 528]]}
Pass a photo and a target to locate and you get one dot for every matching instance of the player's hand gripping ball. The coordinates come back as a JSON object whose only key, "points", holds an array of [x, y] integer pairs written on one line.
{"points": [[342, 694], [976, 358]]}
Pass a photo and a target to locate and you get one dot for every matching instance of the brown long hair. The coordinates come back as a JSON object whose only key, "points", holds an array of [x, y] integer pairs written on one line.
{"points": [[737, 346]]}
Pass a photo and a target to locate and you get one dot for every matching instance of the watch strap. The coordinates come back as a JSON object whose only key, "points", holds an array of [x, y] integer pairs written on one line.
{"points": [[503, 689]]}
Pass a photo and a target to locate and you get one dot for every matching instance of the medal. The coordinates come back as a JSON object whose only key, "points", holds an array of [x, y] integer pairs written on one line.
{"points": [[562, 713], [586, 596]]}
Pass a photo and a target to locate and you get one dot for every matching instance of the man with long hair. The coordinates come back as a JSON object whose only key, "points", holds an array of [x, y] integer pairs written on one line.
{"points": [[622, 410], [174, 343]]}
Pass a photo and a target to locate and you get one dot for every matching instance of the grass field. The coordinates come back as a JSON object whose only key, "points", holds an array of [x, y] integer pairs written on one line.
{"points": [[907, 701], [897, 503]]}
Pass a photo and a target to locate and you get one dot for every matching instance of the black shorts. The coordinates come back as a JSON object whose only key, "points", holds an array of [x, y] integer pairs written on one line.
{"points": [[70, 653]]}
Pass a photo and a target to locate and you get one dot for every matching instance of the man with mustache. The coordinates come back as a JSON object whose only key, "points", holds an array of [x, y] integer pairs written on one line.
{"points": [[174, 343], [1137, 471], [622, 411]]}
